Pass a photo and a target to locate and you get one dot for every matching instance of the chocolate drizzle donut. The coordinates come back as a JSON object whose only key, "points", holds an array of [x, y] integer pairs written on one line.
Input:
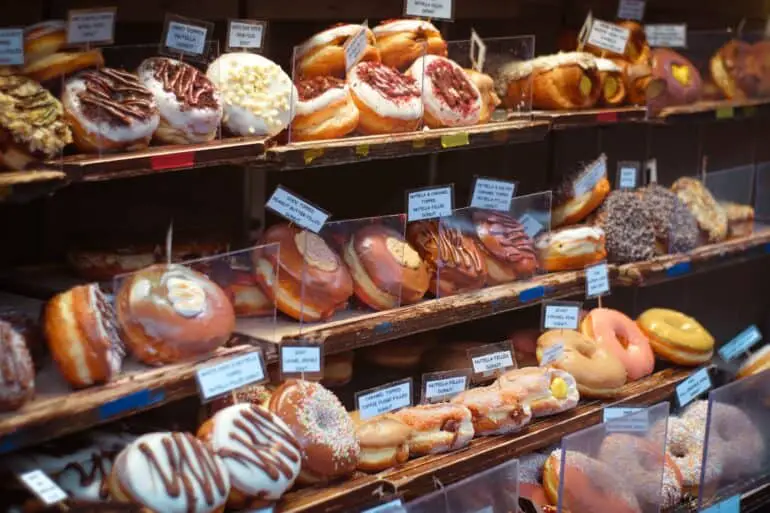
{"points": [[189, 86], [17, 374], [628, 226], [510, 251]]}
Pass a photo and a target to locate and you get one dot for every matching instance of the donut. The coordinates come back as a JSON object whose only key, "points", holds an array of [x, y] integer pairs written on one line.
{"points": [[170, 472], [547, 391], [756, 363], [259, 452], [189, 104], [531, 478], [405, 353], [613, 87], [81, 329], [245, 294], [509, 252], [628, 226], [711, 217], [676, 337], [324, 54], [387, 272], [27, 323], [684, 445], [109, 110], [676, 230], [32, 123], [598, 373], [489, 99], [168, 313], [250, 394], [401, 42], [387, 101], [384, 442], [323, 428], [680, 80], [43, 39], [437, 428], [259, 97], [308, 280], [761, 51], [570, 248], [325, 110], [573, 203], [17, 372], [618, 334], [449, 96], [496, 410], [736, 70], [740, 219], [338, 369], [524, 344]]}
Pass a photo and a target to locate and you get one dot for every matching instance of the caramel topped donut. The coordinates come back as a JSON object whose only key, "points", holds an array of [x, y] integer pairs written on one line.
{"points": [[509, 250], [437, 428], [449, 96], [170, 312], [17, 374]]}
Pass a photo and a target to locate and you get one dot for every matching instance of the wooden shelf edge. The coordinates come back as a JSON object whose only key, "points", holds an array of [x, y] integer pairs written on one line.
{"points": [[714, 109]]}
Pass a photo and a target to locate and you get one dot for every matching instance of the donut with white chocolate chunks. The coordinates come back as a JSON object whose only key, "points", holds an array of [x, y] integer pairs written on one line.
{"points": [[571, 248], [17, 373], [109, 110], [189, 104], [547, 391], [449, 96], [325, 110], [401, 42], [324, 54], [437, 428], [259, 97]]}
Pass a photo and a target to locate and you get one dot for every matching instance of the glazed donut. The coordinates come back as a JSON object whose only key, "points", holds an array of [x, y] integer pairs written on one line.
{"points": [[676, 230], [405, 353], [259, 97], [573, 205], [324, 54], [387, 101], [17, 372], [401, 42], [170, 472], [190, 107], [44, 38], [387, 272], [681, 81], [82, 333], [628, 224], [311, 283], [570, 248], [245, 294], [325, 110], [338, 369], [756, 363], [676, 337], [323, 428], [547, 391], [711, 217], [259, 452], [449, 96], [736, 71], [598, 372], [509, 252], [384, 442], [168, 313], [62, 64], [524, 344], [496, 410], [618, 334], [437, 428], [489, 99], [613, 87]]}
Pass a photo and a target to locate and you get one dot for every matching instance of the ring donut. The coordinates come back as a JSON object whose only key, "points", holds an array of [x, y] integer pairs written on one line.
{"points": [[676, 337], [618, 334]]}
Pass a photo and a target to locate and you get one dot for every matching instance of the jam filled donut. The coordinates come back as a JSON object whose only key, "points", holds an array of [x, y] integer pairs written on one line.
{"points": [[322, 427], [384, 442], [168, 313], [82, 333], [388, 102], [680, 79], [17, 373], [629, 227], [189, 104], [676, 230], [401, 42], [509, 251], [449, 96], [109, 110], [496, 410], [575, 202], [437, 428], [756, 363], [325, 110], [618, 334], [711, 217], [676, 337], [324, 54], [547, 391], [571, 248], [489, 99]]}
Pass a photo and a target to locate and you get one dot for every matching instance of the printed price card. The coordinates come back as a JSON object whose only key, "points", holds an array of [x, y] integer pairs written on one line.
{"points": [[628, 175], [741, 343], [561, 315], [666, 35], [301, 360], [185, 36], [12, 47], [491, 360], [591, 176], [443, 385], [692, 387], [435, 9], [531, 225], [430, 203], [551, 354], [237, 372], [478, 51], [297, 210], [492, 194], [394, 506], [355, 47], [627, 420], [91, 26], [43, 487], [384, 399], [597, 280], [631, 10], [245, 34], [608, 36]]}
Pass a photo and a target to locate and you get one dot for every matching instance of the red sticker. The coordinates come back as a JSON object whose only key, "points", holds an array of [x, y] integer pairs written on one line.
{"points": [[607, 117], [172, 160]]}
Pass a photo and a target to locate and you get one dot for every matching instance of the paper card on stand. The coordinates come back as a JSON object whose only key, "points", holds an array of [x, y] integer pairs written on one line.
{"points": [[430, 203], [597, 280], [478, 52], [11, 47], [551, 354], [431, 9], [631, 9], [627, 177], [297, 210], [688, 390], [591, 175], [666, 35], [608, 36], [491, 360], [493, 194], [394, 506], [561, 315], [304, 360], [42, 487], [626, 419], [585, 30], [355, 47], [384, 399], [531, 225], [232, 374], [186, 37], [245, 35], [91, 26], [443, 385], [741, 343]]}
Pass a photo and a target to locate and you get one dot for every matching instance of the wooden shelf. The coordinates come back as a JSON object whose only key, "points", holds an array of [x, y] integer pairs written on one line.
{"points": [[561, 119], [714, 110]]}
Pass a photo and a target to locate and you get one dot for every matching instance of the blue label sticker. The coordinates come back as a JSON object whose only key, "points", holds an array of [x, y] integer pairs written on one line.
{"points": [[10, 443], [731, 505], [678, 269], [136, 401], [767, 248], [692, 387], [532, 294], [741, 343], [383, 328]]}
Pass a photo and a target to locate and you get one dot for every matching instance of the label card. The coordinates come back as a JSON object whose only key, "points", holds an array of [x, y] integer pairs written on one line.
{"points": [[561, 315], [585, 30], [628, 175], [245, 35], [384, 399], [12, 47], [666, 35], [435, 9], [689, 389], [597, 280], [43, 487], [491, 360], [185, 36], [297, 210], [237, 372], [591, 176], [626, 420], [478, 52], [631, 10], [652, 171], [608, 36], [301, 360], [394, 506], [443, 385], [430, 203], [492, 194], [730, 505], [741, 343], [91, 26], [551, 354], [531, 225], [355, 47]]}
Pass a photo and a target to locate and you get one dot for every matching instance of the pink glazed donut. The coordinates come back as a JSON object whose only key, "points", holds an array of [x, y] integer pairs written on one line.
{"points": [[619, 335]]}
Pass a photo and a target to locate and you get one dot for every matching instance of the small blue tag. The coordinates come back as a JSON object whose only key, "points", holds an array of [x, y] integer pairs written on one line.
{"points": [[679, 269], [10, 443], [136, 401], [692, 387], [741, 343], [532, 294], [767, 248], [731, 505], [383, 328]]}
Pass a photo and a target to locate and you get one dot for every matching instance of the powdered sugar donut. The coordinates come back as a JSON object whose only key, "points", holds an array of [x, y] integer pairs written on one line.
{"points": [[324, 53], [449, 96], [325, 110]]}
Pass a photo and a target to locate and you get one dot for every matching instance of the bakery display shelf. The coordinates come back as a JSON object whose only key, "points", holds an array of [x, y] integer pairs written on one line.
{"points": [[58, 410], [561, 119], [715, 109], [357, 149], [20, 186]]}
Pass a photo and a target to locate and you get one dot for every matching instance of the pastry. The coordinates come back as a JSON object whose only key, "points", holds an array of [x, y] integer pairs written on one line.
{"points": [[323, 54], [761, 51], [495, 410], [250, 394], [451, 356], [524, 342], [613, 86], [325, 110], [27, 324], [509, 252], [579, 194], [676, 337], [736, 71], [640, 83], [571, 248], [545, 390], [628, 225], [676, 230], [437, 428], [44, 59], [384, 442], [17, 373], [109, 110], [43, 39], [683, 84], [449, 96], [401, 42], [756, 363], [615, 332], [489, 98], [711, 217], [740, 218]]}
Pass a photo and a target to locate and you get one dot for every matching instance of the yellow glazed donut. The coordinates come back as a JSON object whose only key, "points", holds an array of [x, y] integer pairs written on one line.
{"points": [[676, 337]]}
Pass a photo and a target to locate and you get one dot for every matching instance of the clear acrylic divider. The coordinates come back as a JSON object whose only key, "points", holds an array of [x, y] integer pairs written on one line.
{"points": [[495, 490], [762, 194], [461, 265], [734, 189], [737, 443], [435, 502]]}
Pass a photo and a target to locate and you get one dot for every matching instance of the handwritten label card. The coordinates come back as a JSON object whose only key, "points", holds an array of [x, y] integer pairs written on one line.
{"points": [[435, 9], [384, 399], [608, 36], [666, 35], [355, 47], [531, 225], [627, 420], [491, 194], [91, 26], [43, 487], [430, 203], [692, 387], [478, 51], [628, 175], [741, 343], [631, 10], [301, 360], [561, 315], [237, 372], [443, 385], [12, 47], [297, 210], [245, 34], [591, 176], [597, 280]]}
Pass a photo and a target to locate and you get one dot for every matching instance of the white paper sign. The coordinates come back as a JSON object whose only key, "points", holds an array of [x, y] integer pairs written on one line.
{"points": [[559, 316], [444, 388], [430, 203], [609, 36], [11, 47], [299, 359], [627, 179], [597, 280], [440, 9], [692, 387], [590, 177], [478, 51], [531, 225], [552, 354], [355, 48], [186, 38], [385, 399], [297, 210], [493, 194], [235, 373], [395, 506], [91, 26], [43, 487], [245, 35], [492, 361], [741, 343], [666, 35], [631, 10], [627, 420]]}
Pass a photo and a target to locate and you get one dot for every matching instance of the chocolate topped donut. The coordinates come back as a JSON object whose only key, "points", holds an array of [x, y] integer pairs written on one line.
{"points": [[186, 83], [628, 226], [17, 374], [507, 246], [115, 97]]}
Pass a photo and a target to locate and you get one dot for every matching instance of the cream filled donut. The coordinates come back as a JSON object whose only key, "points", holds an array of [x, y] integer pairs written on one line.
{"points": [[324, 53], [325, 110], [259, 97], [387, 100], [450, 98], [189, 104]]}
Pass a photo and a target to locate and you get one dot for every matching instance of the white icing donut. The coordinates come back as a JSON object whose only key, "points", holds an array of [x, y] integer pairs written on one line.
{"points": [[607, 65], [519, 70], [573, 240], [259, 97], [328, 36], [368, 80], [328, 97], [390, 27], [438, 79]]}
